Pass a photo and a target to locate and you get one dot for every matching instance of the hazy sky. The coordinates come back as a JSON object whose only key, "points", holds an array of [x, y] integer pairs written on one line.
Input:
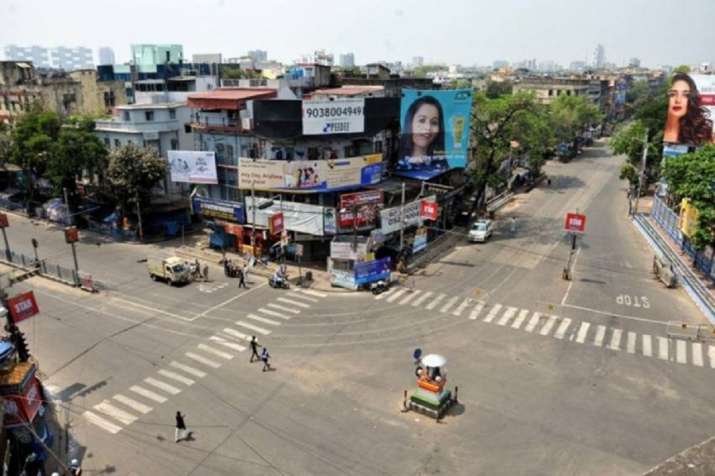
{"points": [[452, 31]]}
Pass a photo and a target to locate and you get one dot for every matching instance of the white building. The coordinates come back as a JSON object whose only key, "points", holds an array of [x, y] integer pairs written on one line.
{"points": [[176, 89], [106, 55], [599, 57], [164, 126], [69, 59]]}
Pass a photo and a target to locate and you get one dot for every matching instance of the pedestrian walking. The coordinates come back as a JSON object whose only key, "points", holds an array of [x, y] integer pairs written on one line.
{"points": [[264, 357], [254, 349], [206, 273], [181, 431], [245, 272], [512, 225], [241, 279]]}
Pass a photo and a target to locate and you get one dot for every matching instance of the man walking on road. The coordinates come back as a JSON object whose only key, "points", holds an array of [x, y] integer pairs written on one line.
{"points": [[512, 225], [264, 357], [254, 349], [181, 431], [241, 279]]}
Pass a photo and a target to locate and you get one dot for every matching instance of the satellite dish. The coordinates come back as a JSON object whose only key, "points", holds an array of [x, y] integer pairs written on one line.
{"points": [[417, 354]]}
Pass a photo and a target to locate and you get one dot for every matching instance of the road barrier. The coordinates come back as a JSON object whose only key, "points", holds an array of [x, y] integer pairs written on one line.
{"points": [[694, 332]]}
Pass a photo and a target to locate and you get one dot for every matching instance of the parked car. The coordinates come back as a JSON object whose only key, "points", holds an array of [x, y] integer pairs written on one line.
{"points": [[481, 231]]}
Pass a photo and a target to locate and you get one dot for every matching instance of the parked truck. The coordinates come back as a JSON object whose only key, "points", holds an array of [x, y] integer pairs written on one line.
{"points": [[172, 270]]}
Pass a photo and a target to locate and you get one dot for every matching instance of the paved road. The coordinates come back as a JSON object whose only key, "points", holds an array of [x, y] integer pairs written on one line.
{"points": [[554, 377]]}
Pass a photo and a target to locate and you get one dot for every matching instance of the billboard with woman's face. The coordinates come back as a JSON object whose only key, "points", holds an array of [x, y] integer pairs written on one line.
{"points": [[434, 134], [691, 108]]}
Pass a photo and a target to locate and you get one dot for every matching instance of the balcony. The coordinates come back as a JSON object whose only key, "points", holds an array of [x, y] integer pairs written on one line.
{"points": [[114, 125], [217, 124]]}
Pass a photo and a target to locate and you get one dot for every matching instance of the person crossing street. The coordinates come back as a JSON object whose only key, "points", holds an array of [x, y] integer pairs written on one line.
{"points": [[254, 349], [264, 357]]}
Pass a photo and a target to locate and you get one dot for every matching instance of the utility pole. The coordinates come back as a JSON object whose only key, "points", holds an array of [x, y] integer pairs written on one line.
{"points": [[253, 206], [641, 174], [139, 216], [4, 224], [70, 218], [402, 218]]}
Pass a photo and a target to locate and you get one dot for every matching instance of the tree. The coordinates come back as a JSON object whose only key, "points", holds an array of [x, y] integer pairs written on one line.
{"points": [[497, 89], [683, 68], [571, 115], [79, 151], [692, 176], [33, 144], [133, 171]]}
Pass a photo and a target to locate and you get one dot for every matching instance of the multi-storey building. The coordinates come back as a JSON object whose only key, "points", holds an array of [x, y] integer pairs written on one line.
{"points": [[106, 55], [60, 57], [38, 55], [147, 57]]}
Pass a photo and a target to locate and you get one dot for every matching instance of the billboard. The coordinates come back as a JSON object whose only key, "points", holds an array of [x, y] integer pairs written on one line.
{"points": [[220, 209], [364, 205], [313, 175], [691, 110], [343, 116], [390, 217], [434, 135], [299, 217], [371, 271], [191, 166]]}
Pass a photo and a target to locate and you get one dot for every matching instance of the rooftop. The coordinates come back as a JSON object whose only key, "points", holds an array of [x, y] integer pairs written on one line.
{"points": [[159, 105], [228, 98], [349, 90]]}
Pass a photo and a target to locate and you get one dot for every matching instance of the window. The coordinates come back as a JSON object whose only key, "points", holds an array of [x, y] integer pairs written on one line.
{"points": [[172, 113], [229, 154], [313, 153], [125, 116], [106, 141], [187, 128], [117, 143], [149, 115], [551, 92], [174, 144]]}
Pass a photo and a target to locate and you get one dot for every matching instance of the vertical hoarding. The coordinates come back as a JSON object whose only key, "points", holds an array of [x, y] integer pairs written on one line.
{"points": [[434, 134], [691, 108]]}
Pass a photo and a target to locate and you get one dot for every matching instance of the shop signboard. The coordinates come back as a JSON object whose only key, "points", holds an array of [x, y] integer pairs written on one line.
{"points": [[343, 279], [434, 135], [193, 166], [221, 209], [359, 210], [346, 250], [371, 271], [429, 210], [324, 117], [22, 409], [420, 241], [297, 217], [390, 217], [314, 175], [276, 223], [23, 306]]}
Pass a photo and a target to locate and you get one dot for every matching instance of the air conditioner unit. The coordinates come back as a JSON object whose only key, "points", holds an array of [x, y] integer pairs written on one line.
{"points": [[247, 123]]}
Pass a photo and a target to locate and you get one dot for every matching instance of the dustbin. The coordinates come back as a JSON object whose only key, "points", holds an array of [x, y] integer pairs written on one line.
{"points": [[308, 275]]}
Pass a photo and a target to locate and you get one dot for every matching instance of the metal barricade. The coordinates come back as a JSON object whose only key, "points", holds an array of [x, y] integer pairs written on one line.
{"points": [[693, 332]]}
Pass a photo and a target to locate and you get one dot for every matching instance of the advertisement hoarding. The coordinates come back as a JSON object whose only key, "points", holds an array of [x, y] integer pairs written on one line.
{"points": [[371, 271], [343, 116], [691, 110], [298, 217], [223, 210], [434, 135], [390, 217], [191, 166], [314, 175], [360, 206]]}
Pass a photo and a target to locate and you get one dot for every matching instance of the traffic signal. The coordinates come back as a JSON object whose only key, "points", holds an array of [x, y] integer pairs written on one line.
{"points": [[18, 339]]}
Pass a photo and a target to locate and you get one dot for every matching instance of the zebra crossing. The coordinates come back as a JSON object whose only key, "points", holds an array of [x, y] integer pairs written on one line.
{"points": [[678, 351], [123, 409]]}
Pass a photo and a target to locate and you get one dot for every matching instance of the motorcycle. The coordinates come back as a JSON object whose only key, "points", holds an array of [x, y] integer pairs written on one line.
{"points": [[379, 287], [278, 282]]}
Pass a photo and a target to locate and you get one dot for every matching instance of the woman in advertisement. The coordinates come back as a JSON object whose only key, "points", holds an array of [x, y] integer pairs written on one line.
{"points": [[687, 122], [422, 144]]}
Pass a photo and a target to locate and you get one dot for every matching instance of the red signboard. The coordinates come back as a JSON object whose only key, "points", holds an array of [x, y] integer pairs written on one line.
{"points": [[575, 223], [22, 306], [364, 205], [3, 220], [276, 223], [71, 234], [22, 409], [428, 210], [348, 200]]}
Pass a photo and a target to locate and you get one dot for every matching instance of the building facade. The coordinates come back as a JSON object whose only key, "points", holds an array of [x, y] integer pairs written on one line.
{"points": [[347, 60], [105, 55], [99, 97], [146, 57], [60, 57], [38, 55]]}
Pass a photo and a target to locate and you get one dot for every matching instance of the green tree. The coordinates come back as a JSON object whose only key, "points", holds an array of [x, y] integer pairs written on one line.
{"points": [[570, 115], [683, 68], [133, 171], [692, 176], [33, 145], [497, 89], [78, 152]]}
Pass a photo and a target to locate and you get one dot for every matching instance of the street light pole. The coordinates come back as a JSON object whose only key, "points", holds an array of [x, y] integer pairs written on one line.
{"points": [[402, 218], [139, 217], [253, 206], [641, 174]]}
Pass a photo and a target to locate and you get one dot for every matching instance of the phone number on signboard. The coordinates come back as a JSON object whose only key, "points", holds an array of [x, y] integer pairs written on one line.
{"points": [[347, 111]]}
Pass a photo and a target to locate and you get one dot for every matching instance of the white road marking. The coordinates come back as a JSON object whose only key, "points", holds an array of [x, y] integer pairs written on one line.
{"points": [[133, 404], [458, 312], [549, 324], [211, 350], [163, 386], [616, 339], [582, 332], [520, 319], [260, 330], [561, 331], [697, 354], [396, 295], [492, 313], [533, 322], [102, 423], [435, 301], [283, 308], [298, 295], [647, 345], [147, 394], [711, 355], [264, 320], [410, 296], [385, 294], [508, 314], [175, 376], [681, 351], [600, 334], [422, 298], [189, 370], [228, 301], [448, 305], [274, 313], [293, 302], [662, 348], [235, 333], [310, 292], [476, 311], [114, 412], [226, 343], [203, 360], [631, 344]]}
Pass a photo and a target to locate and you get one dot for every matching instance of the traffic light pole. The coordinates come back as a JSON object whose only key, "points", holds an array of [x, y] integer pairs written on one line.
{"points": [[8, 253]]}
